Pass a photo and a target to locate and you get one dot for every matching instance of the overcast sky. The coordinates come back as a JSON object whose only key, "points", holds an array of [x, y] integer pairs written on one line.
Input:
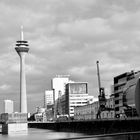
{"points": [[67, 37]]}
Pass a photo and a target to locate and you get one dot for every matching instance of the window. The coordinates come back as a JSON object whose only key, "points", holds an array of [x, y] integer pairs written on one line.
{"points": [[117, 109], [117, 102]]}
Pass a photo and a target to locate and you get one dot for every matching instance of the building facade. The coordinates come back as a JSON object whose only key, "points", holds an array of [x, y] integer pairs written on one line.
{"points": [[48, 98], [58, 85], [89, 111], [40, 115], [86, 112], [124, 92], [8, 106], [76, 94]]}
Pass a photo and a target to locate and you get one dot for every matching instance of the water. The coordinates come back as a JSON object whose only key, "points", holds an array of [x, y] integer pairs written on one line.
{"points": [[44, 134], [39, 134]]}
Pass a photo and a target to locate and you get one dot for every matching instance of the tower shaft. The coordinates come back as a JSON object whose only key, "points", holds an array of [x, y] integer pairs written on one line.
{"points": [[22, 51], [23, 95]]}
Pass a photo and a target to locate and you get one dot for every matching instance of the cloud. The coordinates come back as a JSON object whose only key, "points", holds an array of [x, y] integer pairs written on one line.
{"points": [[86, 29], [4, 87]]}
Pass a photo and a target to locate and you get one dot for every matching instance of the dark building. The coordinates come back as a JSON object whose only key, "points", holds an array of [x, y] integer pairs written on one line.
{"points": [[124, 94]]}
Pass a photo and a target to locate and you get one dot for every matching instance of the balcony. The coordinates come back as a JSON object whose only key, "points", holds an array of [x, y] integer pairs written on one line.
{"points": [[119, 84], [118, 98], [118, 91], [117, 105]]}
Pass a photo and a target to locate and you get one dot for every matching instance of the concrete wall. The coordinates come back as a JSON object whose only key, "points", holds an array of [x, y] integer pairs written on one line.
{"points": [[14, 127], [92, 127]]}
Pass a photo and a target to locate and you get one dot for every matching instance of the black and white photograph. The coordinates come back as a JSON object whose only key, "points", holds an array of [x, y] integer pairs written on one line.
{"points": [[70, 70]]}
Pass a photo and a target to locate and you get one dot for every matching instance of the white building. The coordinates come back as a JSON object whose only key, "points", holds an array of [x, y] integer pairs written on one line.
{"points": [[76, 95], [58, 85], [40, 115], [77, 100], [8, 106], [48, 98]]}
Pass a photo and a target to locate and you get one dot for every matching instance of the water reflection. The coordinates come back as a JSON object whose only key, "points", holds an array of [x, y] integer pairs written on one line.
{"points": [[44, 134], [121, 137], [39, 134]]}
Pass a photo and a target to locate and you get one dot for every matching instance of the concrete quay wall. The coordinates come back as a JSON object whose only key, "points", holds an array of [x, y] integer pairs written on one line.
{"points": [[11, 128], [91, 127], [13, 122]]}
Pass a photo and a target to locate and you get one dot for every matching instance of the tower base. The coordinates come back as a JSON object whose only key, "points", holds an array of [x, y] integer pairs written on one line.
{"points": [[14, 123], [13, 128]]}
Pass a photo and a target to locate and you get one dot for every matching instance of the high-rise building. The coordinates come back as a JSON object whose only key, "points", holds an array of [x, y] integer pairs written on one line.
{"points": [[76, 94], [58, 85], [8, 106], [22, 49], [48, 98]]}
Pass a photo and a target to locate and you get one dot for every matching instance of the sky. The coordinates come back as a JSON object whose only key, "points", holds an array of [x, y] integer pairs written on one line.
{"points": [[67, 37]]}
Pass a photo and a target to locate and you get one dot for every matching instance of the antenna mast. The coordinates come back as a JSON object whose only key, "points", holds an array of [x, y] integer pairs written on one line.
{"points": [[22, 34]]}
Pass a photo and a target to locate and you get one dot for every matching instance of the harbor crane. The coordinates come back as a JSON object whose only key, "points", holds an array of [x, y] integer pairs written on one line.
{"points": [[101, 96]]}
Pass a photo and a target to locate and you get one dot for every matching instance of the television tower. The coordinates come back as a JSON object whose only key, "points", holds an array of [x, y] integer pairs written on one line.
{"points": [[22, 49]]}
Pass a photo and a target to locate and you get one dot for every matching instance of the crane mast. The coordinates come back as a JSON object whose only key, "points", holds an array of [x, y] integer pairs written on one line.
{"points": [[101, 96]]}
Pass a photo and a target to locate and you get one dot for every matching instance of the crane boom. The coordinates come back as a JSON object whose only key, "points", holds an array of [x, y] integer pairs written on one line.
{"points": [[99, 80]]}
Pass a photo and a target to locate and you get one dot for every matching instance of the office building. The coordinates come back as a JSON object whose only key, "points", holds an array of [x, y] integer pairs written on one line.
{"points": [[124, 94], [89, 111], [48, 98], [8, 106], [58, 85], [76, 94], [40, 115], [86, 112]]}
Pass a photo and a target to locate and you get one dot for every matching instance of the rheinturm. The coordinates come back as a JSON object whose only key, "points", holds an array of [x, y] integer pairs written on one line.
{"points": [[22, 49]]}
